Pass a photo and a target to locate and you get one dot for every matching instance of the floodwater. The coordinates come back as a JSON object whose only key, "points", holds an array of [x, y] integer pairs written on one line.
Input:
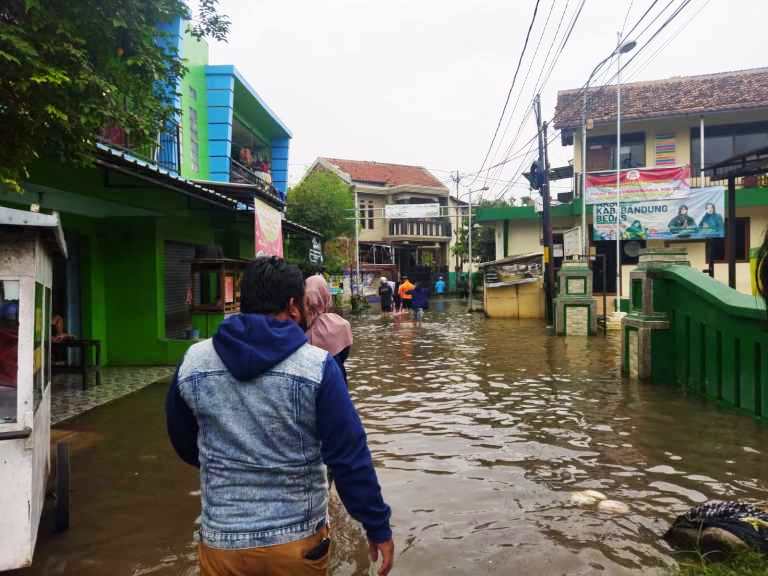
{"points": [[481, 431]]}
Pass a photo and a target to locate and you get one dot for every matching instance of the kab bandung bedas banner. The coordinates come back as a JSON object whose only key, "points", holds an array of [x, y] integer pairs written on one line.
{"points": [[639, 185], [695, 216]]}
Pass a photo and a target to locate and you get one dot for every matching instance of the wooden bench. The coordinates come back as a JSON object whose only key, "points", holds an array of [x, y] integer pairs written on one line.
{"points": [[84, 367]]}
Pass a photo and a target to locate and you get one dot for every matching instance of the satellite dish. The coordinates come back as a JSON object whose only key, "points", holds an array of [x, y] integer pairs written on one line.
{"points": [[632, 249]]}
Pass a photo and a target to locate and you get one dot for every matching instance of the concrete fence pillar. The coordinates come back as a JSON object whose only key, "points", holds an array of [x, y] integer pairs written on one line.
{"points": [[638, 326]]}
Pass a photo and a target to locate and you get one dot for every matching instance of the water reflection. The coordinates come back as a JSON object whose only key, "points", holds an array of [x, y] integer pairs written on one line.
{"points": [[481, 431]]}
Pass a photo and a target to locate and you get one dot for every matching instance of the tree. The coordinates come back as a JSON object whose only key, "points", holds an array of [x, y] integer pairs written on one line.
{"points": [[324, 203], [72, 67]]}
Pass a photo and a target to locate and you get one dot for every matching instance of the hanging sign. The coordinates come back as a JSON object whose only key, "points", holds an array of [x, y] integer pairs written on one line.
{"points": [[638, 185], [695, 216], [268, 229], [316, 251], [431, 210]]}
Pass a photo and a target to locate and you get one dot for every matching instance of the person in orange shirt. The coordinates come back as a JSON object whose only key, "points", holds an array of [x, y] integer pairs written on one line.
{"points": [[405, 292]]}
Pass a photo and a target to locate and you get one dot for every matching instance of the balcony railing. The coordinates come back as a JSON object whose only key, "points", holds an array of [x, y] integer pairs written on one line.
{"points": [[426, 229], [242, 174], [163, 151]]}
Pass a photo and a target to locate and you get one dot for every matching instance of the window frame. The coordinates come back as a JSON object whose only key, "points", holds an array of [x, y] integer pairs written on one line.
{"points": [[719, 130], [22, 333], [725, 240], [610, 141]]}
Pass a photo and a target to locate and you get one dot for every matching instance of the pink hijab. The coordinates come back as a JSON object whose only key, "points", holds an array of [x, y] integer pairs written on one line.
{"points": [[326, 330]]}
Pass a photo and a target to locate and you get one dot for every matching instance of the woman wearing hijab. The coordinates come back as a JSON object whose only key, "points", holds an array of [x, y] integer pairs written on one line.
{"points": [[325, 329]]}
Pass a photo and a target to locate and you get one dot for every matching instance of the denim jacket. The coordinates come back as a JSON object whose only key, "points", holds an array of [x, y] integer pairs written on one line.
{"points": [[262, 411]]}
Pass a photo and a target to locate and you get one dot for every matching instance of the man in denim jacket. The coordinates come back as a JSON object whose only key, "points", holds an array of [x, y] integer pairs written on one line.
{"points": [[262, 413]]}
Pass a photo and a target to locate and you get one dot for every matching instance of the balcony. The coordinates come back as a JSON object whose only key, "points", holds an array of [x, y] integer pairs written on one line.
{"points": [[431, 230], [258, 174], [163, 151]]}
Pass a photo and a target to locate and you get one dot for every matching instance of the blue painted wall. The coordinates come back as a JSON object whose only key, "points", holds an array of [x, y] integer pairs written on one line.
{"points": [[171, 40], [280, 149], [220, 81]]}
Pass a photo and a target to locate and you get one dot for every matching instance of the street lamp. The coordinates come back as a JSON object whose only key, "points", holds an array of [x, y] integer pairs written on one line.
{"points": [[620, 49], [469, 193]]}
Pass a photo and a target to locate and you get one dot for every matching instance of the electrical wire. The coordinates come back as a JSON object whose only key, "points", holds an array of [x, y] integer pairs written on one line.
{"points": [[523, 85], [511, 88], [626, 17], [674, 35], [539, 85]]}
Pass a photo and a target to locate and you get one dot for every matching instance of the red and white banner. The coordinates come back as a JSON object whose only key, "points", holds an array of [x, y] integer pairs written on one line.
{"points": [[268, 230], [639, 185]]}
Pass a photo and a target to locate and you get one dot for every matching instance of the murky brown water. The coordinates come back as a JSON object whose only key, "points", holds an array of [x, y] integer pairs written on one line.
{"points": [[481, 431]]}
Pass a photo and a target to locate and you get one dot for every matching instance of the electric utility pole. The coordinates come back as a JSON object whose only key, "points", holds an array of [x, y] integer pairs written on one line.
{"points": [[543, 168], [456, 231]]}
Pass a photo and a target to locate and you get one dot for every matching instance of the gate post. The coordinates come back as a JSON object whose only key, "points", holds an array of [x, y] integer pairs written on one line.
{"points": [[638, 326]]}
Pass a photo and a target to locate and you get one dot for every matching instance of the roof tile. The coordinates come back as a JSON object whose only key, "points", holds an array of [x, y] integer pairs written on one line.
{"points": [[385, 174], [681, 95]]}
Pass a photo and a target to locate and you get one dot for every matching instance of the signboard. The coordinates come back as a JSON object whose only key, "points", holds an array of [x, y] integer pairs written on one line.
{"points": [[695, 216], [431, 210], [638, 185], [557, 251], [268, 230], [316, 251], [572, 242]]}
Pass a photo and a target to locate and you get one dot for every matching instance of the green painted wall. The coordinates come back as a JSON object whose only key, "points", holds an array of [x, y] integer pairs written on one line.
{"points": [[123, 226], [717, 346], [195, 54]]}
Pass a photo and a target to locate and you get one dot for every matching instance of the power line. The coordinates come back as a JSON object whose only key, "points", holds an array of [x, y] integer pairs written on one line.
{"points": [[626, 17], [666, 23], [525, 80], [511, 88], [539, 86], [674, 35], [563, 43]]}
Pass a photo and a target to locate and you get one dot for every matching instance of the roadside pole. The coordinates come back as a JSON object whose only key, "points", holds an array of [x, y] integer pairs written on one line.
{"points": [[357, 243], [545, 216]]}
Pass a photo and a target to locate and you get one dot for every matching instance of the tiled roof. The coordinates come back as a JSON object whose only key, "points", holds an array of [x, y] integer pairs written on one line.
{"points": [[681, 95], [385, 174]]}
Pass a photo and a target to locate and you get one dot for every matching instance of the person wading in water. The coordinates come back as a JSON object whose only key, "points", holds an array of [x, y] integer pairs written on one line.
{"points": [[261, 412]]}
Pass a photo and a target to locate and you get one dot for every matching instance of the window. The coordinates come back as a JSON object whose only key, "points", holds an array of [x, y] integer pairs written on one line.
{"points": [[194, 145], [9, 348], [192, 93], [361, 216], [722, 142], [601, 152], [370, 215], [718, 247]]}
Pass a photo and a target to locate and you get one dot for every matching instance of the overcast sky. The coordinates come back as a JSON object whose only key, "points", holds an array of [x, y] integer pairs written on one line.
{"points": [[423, 81]]}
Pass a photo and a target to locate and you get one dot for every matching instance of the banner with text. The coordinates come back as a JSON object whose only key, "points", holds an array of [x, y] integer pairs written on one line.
{"points": [[638, 185], [695, 216], [412, 210], [268, 224]]}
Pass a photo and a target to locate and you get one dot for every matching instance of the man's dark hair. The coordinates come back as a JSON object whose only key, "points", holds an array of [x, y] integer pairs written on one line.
{"points": [[268, 285]]}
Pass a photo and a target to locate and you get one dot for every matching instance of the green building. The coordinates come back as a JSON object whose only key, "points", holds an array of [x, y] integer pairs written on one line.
{"points": [[138, 216]]}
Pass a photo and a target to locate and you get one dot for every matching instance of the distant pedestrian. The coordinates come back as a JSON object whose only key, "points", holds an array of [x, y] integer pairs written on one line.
{"points": [[396, 296], [262, 413], [385, 295], [405, 292], [325, 329], [440, 286], [419, 301]]}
